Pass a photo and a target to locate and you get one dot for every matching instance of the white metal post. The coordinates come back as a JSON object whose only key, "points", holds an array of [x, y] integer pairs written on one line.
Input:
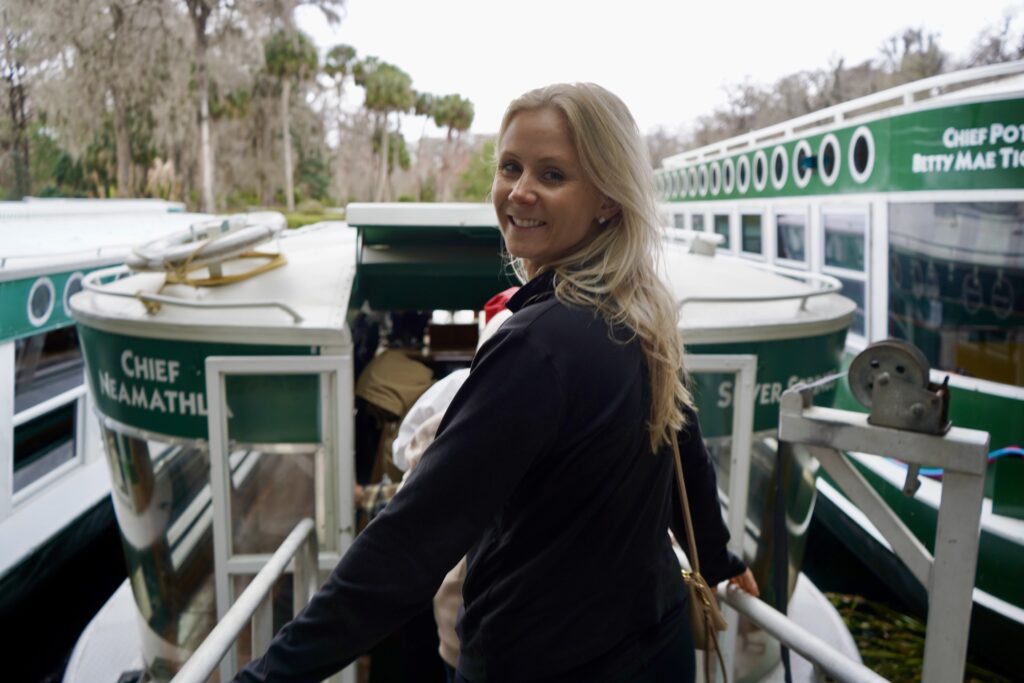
{"points": [[7, 371], [744, 369], [335, 373], [950, 593], [949, 575]]}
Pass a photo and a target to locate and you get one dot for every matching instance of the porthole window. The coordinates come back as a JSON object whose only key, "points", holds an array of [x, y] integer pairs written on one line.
{"points": [[780, 167], [743, 174], [691, 181], [703, 180], [803, 163], [760, 170], [41, 299], [683, 184], [73, 286], [862, 154], [716, 178], [671, 185], [665, 185], [728, 175], [829, 159]]}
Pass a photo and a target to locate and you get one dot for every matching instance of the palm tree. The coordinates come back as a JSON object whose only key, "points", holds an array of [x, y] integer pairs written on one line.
{"points": [[388, 90], [455, 113], [291, 58]]}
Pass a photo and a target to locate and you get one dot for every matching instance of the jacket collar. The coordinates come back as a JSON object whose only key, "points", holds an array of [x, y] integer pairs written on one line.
{"points": [[541, 287]]}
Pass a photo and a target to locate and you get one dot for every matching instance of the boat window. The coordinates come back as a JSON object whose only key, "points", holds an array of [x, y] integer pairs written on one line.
{"points": [[41, 300], [73, 287], [760, 170], [844, 240], [803, 163], [750, 237], [722, 228], [779, 168], [716, 178], [697, 222], [43, 444], [791, 236], [46, 365], [862, 154], [828, 151], [956, 273], [727, 176], [743, 174], [854, 290], [679, 221]]}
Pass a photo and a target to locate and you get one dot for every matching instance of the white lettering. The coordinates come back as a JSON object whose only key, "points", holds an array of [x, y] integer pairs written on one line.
{"points": [[724, 394], [126, 362], [187, 402], [157, 403]]}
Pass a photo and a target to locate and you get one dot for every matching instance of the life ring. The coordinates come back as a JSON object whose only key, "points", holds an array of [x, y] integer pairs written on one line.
{"points": [[206, 243]]}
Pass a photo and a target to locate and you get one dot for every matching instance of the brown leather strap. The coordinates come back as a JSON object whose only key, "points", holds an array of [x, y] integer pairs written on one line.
{"points": [[685, 503]]}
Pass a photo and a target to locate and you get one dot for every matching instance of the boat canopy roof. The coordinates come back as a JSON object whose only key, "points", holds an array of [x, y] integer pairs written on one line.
{"points": [[726, 300], [427, 256], [303, 302], [43, 236]]}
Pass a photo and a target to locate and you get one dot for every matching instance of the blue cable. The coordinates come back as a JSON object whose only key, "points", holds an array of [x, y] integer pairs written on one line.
{"points": [[936, 472]]}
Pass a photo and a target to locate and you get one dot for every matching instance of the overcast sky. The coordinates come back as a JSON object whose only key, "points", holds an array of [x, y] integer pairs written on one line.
{"points": [[668, 60]]}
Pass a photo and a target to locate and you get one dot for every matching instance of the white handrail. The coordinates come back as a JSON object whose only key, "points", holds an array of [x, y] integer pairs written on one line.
{"points": [[254, 603], [797, 639], [831, 286]]}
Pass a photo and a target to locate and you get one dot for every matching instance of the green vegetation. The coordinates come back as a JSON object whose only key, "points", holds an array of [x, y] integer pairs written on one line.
{"points": [[892, 644]]}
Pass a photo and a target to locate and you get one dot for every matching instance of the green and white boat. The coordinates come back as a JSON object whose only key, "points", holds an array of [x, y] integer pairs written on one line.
{"points": [[54, 486], [152, 349], [913, 198]]}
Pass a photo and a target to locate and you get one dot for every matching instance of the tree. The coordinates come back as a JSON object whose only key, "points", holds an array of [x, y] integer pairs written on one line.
{"points": [[996, 43], [338, 67], [912, 55], [291, 58], [475, 182], [388, 90], [455, 113], [199, 12], [14, 73]]}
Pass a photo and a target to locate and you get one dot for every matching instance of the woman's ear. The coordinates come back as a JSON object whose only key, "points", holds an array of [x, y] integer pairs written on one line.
{"points": [[608, 210]]}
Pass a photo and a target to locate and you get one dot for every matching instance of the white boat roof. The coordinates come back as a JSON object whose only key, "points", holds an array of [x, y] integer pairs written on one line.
{"points": [[50, 236], [421, 215], [315, 283], [722, 300]]}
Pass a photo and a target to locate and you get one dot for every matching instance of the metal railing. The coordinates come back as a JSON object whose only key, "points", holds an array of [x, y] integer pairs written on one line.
{"points": [[901, 95], [829, 285], [255, 604], [812, 648], [96, 280]]}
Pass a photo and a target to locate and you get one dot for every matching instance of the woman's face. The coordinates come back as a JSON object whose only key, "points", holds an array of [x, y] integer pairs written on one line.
{"points": [[547, 208]]}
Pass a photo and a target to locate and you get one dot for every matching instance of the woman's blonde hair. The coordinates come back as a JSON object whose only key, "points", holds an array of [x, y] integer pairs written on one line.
{"points": [[615, 274]]}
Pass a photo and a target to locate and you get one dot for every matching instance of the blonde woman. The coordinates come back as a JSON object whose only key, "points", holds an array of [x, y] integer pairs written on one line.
{"points": [[552, 465]]}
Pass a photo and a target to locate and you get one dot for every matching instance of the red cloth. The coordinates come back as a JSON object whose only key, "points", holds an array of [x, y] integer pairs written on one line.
{"points": [[497, 303]]}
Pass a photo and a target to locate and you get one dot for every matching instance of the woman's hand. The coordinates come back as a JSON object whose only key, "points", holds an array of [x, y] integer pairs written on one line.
{"points": [[746, 583]]}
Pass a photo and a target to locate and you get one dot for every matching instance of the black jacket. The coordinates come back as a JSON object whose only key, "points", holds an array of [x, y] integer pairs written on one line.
{"points": [[542, 470]]}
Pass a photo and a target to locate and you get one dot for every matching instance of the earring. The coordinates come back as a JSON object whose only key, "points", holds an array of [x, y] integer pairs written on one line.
{"points": [[602, 221]]}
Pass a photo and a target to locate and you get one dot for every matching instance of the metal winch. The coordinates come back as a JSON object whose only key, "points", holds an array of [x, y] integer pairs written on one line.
{"points": [[890, 378]]}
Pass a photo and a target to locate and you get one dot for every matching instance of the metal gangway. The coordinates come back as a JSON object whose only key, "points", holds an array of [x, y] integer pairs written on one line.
{"points": [[948, 575]]}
